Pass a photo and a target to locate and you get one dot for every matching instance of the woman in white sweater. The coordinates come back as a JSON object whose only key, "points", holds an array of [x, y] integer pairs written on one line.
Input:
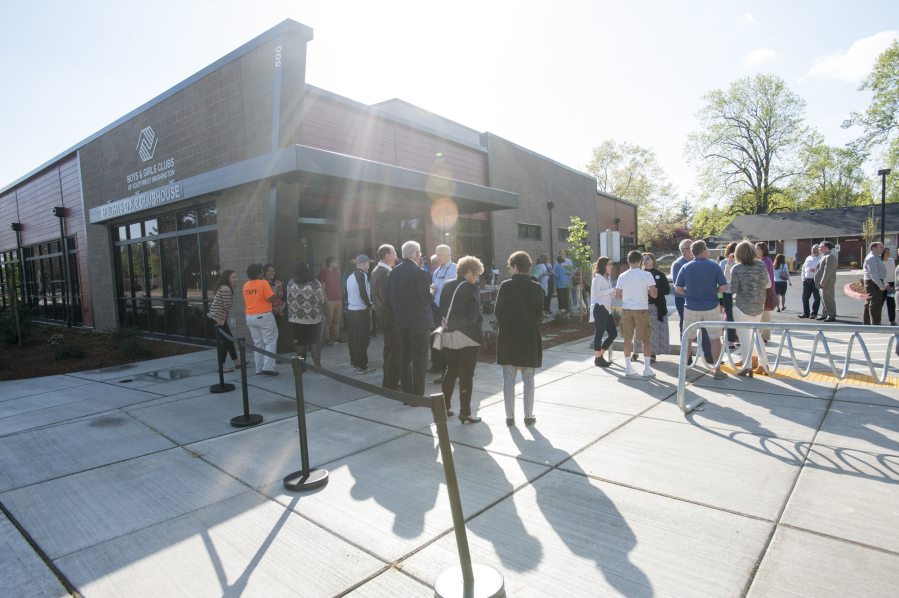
{"points": [[601, 293]]}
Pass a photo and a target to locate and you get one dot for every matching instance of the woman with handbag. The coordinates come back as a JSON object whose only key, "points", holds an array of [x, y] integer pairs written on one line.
{"points": [[781, 280], [461, 334], [519, 312], [763, 255], [749, 284], [218, 313]]}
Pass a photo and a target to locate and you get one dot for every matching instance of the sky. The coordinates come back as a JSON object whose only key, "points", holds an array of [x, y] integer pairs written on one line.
{"points": [[557, 77]]}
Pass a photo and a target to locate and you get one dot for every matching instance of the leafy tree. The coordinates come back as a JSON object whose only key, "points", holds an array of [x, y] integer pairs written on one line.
{"points": [[871, 228], [579, 252], [880, 122], [834, 177], [632, 172], [749, 146], [709, 221]]}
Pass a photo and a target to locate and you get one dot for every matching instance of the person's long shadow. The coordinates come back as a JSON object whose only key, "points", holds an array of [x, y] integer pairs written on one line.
{"points": [[586, 520], [517, 549]]}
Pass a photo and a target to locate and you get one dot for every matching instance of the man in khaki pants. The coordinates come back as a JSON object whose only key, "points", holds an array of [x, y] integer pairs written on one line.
{"points": [[825, 280], [632, 288]]}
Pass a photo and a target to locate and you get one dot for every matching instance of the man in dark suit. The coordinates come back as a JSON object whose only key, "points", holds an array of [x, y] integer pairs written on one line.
{"points": [[379, 279], [409, 298]]}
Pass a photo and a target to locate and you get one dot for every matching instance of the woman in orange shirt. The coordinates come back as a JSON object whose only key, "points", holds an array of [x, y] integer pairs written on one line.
{"points": [[258, 297]]}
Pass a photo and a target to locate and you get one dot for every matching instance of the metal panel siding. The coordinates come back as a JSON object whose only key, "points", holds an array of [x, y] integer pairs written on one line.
{"points": [[9, 213], [337, 127]]}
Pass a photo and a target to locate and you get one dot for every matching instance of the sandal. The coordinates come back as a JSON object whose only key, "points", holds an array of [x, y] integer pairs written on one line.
{"points": [[227, 370]]}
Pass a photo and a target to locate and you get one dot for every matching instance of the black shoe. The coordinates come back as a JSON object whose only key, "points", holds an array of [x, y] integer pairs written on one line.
{"points": [[269, 373], [804, 316], [601, 362], [510, 421], [690, 360], [530, 421], [635, 357], [469, 419]]}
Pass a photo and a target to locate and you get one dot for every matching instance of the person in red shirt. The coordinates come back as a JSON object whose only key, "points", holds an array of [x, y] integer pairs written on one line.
{"points": [[257, 298], [330, 278]]}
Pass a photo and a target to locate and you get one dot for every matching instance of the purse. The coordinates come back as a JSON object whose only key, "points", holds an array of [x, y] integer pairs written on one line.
{"points": [[451, 339], [770, 299]]}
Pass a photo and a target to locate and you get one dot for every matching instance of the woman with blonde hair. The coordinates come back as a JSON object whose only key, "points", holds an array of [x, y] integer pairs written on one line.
{"points": [[601, 293], [749, 284], [460, 308]]}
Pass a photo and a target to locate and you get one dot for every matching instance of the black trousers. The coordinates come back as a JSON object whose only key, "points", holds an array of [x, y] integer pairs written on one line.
{"points": [[564, 296], [809, 290], [358, 324], [391, 352], [413, 359], [874, 304], [226, 347], [605, 323], [890, 302], [460, 363]]}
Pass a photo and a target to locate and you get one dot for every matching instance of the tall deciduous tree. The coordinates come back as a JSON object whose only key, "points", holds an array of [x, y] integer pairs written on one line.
{"points": [[748, 148], [834, 177], [880, 122], [580, 253], [632, 172]]}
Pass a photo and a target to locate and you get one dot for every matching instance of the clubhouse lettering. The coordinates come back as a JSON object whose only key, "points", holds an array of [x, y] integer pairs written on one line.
{"points": [[143, 201]]}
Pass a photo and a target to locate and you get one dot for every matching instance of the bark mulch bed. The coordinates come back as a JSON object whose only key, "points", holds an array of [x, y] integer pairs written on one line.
{"points": [[50, 350]]}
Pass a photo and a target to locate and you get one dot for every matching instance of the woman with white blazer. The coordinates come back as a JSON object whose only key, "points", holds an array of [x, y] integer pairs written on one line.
{"points": [[601, 293]]}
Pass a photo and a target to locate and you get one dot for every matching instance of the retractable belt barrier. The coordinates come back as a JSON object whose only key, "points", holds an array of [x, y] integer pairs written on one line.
{"points": [[757, 347], [466, 580]]}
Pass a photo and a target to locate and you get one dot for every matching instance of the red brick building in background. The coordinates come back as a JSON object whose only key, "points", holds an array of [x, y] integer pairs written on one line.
{"points": [[245, 162]]}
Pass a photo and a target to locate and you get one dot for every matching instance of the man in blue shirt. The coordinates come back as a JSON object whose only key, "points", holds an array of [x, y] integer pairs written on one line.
{"points": [[685, 256], [700, 281], [562, 272]]}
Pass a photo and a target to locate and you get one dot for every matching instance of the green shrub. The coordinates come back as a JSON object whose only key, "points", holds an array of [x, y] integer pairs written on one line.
{"points": [[61, 349], [8, 328], [127, 342]]}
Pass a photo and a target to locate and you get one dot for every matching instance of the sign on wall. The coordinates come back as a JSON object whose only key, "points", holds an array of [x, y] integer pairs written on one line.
{"points": [[142, 201]]}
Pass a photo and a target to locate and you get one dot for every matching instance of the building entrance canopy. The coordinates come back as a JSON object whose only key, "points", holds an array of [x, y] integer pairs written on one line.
{"points": [[320, 171]]}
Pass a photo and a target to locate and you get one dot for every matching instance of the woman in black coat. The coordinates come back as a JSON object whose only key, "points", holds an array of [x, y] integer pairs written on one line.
{"points": [[460, 306], [519, 312]]}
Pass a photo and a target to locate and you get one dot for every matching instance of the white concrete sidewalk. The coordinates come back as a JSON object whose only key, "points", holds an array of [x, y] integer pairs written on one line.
{"points": [[777, 487]]}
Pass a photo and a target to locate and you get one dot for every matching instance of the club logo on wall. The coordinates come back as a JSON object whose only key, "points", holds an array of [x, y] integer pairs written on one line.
{"points": [[146, 144]]}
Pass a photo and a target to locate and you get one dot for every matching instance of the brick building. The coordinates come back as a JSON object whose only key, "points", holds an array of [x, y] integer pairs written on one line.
{"points": [[245, 162]]}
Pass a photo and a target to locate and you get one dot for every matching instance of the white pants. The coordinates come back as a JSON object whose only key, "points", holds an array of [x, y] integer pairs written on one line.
{"points": [[265, 334], [527, 376], [746, 335]]}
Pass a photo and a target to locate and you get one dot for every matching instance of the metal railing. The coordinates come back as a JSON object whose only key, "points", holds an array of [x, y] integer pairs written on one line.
{"points": [[467, 579], [789, 330]]}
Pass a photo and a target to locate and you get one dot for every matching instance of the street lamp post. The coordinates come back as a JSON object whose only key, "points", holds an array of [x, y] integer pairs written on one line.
{"points": [[550, 205], [883, 202]]}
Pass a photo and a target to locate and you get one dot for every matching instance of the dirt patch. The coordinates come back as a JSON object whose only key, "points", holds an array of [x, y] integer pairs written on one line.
{"points": [[554, 332], [98, 350]]}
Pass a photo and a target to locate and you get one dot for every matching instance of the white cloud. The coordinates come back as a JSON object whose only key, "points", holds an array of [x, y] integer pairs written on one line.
{"points": [[856, 62], [749, 18], [759, 56]]}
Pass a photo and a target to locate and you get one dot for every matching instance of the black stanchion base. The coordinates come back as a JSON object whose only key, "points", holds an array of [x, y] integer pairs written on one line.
{"points": [[297, 482], [488, 583], [217, 388], [244, 421]]}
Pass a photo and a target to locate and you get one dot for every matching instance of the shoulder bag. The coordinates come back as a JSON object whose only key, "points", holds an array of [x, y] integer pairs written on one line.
{"points": [[451, 339]]}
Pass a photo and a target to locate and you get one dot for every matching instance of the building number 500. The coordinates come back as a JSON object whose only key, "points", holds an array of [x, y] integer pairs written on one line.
{"points": [[277, 57]]}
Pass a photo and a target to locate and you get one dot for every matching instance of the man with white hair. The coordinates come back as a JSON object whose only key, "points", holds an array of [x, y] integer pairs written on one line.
{"points": [[443, 270], [409, 299], [809, 290]]}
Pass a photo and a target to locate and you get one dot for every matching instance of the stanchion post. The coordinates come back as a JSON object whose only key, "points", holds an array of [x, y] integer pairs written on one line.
{"points": [[247, 419], [221, 386], [466, 580], [307, 478]]}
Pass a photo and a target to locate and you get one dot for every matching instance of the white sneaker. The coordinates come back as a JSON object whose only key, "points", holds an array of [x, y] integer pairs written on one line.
{"points": [[649, 374]]}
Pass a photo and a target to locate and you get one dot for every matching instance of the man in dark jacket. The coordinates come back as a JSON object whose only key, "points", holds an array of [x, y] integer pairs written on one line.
{"points": [[379, 279], [409, 298]]}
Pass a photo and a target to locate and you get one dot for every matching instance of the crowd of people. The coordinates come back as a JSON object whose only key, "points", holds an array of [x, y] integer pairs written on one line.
{"points": [[431, 308]]}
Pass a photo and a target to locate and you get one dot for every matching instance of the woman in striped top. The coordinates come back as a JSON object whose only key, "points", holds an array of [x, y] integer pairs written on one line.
{"points": [[218, 313], [749, 283]]}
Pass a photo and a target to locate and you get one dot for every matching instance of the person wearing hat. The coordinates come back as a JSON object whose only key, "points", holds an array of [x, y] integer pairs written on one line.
{"points": [[358, 293], [826, 279]]}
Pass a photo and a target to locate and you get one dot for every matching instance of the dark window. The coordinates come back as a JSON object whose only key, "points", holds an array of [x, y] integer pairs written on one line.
{"points": [[49, 294], [563, 235], [529, 231]]}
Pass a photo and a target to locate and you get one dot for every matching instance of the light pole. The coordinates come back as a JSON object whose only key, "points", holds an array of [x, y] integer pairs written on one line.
{"points": [[883, 202], [550, 205]]}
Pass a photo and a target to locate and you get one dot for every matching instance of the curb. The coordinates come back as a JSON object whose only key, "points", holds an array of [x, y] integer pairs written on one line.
{"points": [[852, 294]]}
